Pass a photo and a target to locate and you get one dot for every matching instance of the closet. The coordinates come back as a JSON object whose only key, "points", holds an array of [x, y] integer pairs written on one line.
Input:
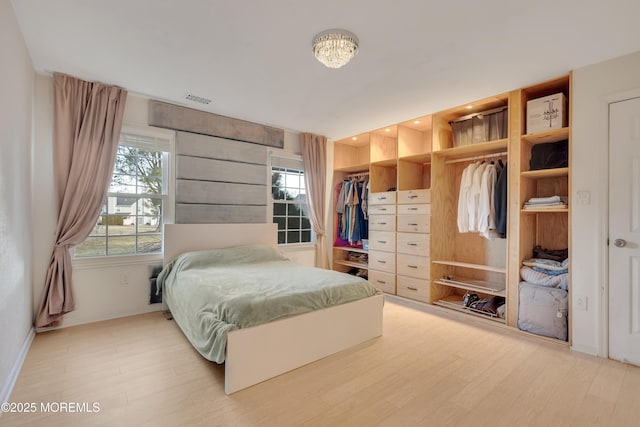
{"points": [[417, 248]]}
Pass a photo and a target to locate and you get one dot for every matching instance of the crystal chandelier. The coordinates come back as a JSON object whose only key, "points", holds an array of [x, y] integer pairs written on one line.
{"points": [[334, 48]]}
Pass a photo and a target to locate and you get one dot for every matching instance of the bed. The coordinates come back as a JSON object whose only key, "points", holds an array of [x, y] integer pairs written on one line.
{"points": [[255, 353]]}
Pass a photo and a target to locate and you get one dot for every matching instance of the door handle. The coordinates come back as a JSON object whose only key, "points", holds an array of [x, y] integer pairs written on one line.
{"points": [[621, 243]]}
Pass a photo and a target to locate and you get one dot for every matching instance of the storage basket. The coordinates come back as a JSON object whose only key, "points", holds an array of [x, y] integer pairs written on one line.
{"points": [[486, 126]]}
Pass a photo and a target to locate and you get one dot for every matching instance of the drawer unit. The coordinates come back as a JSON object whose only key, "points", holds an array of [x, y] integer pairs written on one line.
{"points": [[385, 198], [382, 241], [382, 261], [382, 209], [414, 196], [382, 222], [414, 223], [411, 265], [410, 287], [386, 282], [413, 244], [414, 209]]}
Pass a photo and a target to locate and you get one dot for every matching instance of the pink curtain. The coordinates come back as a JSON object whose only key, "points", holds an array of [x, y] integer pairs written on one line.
{"points": [[87, 123], [314, 156]]}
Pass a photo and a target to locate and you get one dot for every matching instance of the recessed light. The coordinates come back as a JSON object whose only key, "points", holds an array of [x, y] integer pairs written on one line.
{"points": [[469, 107], [354, 138], [417, 122], [388, 129]]}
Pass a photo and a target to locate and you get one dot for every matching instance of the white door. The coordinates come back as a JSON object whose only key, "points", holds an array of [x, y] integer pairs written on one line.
{"points": [[624, 231]]}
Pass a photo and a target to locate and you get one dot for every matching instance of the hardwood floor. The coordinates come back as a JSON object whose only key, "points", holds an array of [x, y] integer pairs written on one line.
{"points": [[429, 368]]}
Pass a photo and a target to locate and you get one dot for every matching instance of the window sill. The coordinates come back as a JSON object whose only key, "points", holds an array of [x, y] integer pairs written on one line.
{"points": [[115, 261], [296, 246]]}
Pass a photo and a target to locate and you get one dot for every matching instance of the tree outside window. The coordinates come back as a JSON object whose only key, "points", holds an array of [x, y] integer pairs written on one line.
{"points": [[290, 205]]}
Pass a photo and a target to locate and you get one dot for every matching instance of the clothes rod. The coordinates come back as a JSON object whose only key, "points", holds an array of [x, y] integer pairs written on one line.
{"points": [[355, 175], [486, 156]]}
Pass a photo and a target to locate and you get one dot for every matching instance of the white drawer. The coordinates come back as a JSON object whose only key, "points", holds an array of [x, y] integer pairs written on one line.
{"points": [[382, 222], [382, 261], [386, 198], [386, 282], [414, 209], [410, 287], [414, 196], [412, 266], [414, 223], [413, 243], [382, 209], [382, 241]]}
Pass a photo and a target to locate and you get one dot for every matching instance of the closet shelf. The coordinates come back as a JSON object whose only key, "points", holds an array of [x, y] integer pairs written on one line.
{"points": [[352, 264], [553, 135], [389, 162], [473, 149], [417, 158], [545, 173], [545, 210], [354, 168], [456, 304], [471, 266], [351, 249], [481, 286]]}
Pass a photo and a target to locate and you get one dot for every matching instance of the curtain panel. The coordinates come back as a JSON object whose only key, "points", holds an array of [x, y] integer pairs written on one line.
{"points": [[314, 156], [86, 130]]}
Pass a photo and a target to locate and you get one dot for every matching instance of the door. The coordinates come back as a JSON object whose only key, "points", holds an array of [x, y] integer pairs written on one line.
{"points": [[624, 231]]}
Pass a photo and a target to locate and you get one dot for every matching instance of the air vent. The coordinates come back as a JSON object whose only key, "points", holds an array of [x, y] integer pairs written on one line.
{"points": [[199, 99]]}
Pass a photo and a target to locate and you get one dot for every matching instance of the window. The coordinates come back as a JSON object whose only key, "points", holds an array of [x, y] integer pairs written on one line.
{"points": [[290, 201], [133, 215]]}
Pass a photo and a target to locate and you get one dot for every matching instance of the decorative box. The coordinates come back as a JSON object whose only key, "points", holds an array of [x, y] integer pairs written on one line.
{"points": [[549, 112]]}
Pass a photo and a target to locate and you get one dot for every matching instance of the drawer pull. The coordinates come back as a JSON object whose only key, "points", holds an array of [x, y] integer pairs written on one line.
{"points": [[411, 288], [413, 196], [381, 281], [382, 262], [383, 209], [412, 244], [412, 266], [412, 224], [412, 209], [382, 223], [382, 241], [382, 198]]}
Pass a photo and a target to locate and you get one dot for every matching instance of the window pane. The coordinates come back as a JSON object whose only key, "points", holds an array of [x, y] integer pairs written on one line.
{"points": [[93, 246], [149, 243], [279, 209], [281, 221], [306, 236], [306, 223], [293, 209], [121, 245], [293, 237], [293, 223], [281, 237]]}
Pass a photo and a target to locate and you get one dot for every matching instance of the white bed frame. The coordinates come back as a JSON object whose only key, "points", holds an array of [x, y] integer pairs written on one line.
{"points": [[261, 352]]}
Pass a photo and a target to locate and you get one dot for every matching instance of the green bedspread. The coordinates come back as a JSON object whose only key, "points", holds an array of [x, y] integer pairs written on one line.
{"points": [[213, 292]]}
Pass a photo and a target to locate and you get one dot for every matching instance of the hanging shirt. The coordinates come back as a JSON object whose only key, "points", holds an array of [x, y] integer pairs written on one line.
{"points": [[463, 198], [486, 207], [474, 196]]}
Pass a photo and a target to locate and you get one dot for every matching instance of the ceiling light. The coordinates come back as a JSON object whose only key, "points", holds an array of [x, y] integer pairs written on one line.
{"points": [[388, 130], [354, 138], [469, 107], [417, 122], [334, 48]]}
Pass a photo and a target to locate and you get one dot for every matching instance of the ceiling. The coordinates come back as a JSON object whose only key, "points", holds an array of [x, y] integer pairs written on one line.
{"points": [[253, 58]]}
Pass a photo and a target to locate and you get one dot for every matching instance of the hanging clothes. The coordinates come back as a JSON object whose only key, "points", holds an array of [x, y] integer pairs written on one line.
{"points": [[500, 201], [352, 211]]}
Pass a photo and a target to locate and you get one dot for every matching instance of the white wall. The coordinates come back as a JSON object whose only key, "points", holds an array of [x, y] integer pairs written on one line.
{"points": [[16, 87], [593, 88]]}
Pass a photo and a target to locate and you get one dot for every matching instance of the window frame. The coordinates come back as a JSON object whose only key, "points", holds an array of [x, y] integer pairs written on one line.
{"points": [[165, 141], [286, 158]]}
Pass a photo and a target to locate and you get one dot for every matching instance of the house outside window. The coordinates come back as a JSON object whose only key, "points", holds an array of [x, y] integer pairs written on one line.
{"points": [[132, 217], [289, 199]]}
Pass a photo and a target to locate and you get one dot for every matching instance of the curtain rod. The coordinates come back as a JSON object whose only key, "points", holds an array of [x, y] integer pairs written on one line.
{"points": [[486, 156]]}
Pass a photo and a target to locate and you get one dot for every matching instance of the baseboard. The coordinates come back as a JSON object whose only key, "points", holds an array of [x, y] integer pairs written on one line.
{"points": [[78, 322], [585, 349], [10, 381]]}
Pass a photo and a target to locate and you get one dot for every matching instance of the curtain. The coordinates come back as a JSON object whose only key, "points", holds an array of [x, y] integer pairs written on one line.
{"points": [[314, 156], [87, 120]]}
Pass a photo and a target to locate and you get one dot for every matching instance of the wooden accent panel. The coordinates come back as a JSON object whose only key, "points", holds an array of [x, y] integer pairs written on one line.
{"points": [[442, 134], [553, 230], [220, 193], [170, 116], [413, 175], [197, 168], [413, 142], [382, 178], [350, 156], [382, 148], [194, 145], [219, 214]]}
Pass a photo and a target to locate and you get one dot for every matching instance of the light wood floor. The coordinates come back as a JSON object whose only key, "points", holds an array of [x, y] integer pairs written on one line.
{"points": [[428, 369]]}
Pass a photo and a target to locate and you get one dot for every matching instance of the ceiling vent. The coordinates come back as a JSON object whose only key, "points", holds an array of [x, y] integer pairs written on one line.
{"points": [[199, 99]]}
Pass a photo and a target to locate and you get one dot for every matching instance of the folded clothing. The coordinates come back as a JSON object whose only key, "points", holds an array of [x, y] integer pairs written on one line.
{"points": [[547, 264], [560, 281], [554, 254]]}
